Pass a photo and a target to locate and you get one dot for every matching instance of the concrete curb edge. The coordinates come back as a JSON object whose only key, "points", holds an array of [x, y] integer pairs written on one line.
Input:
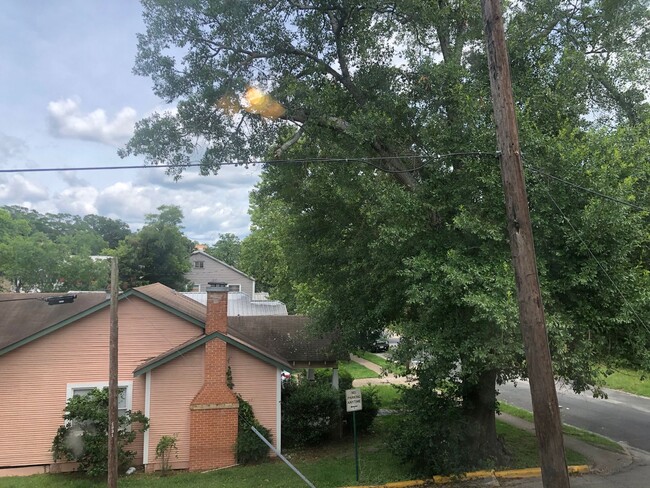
{"points": [[507, 474]]}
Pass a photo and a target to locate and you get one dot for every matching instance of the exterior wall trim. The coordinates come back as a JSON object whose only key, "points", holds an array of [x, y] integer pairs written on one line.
{"points": [[54, 327], [214, 406], [215, 335], [205, 254], [147, 413], [278, 412], [70, 387], [100, 306]]}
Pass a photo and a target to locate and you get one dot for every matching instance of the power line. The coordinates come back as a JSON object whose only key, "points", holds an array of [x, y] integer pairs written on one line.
{"points": [[371, 161], [600, 265], [367, 160], [586, 190]]}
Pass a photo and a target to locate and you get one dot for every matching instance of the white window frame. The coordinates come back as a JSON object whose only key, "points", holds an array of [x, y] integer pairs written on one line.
{"points": [[238, 290], [127, 385], [198, 264]]}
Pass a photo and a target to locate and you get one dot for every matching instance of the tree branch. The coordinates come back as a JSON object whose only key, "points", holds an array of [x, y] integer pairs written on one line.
{"points": [[294, 138]]}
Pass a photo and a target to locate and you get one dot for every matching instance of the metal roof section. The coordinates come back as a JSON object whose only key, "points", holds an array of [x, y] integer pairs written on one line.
{"points": [[241, 305]]}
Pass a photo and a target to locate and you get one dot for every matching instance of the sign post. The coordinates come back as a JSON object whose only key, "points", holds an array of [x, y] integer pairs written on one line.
{"points": [[353, 404]]}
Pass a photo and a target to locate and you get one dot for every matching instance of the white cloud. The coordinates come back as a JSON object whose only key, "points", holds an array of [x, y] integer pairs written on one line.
{"points": [[68, 121], [77, 200], [11, 147], [17, 190]]}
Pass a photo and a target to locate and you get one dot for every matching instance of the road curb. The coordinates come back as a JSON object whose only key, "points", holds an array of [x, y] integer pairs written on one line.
{"points": [[475, 475]]}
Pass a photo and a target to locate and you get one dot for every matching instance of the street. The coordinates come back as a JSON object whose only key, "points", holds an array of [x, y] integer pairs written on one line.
{"points": [[622, 417]]}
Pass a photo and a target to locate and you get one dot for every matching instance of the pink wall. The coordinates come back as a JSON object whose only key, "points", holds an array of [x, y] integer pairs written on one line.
{"points": [[34, 377], [256, 381], [173, 386]]}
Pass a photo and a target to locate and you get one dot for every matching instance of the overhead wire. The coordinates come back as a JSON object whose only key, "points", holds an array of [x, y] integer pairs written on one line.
{"points": [[368, 160], [584, 189], [598, 262], [371, 161]]}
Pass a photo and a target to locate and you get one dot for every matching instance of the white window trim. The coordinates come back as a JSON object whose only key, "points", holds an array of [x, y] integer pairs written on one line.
{"points": [[238, 290], [128, 385]]}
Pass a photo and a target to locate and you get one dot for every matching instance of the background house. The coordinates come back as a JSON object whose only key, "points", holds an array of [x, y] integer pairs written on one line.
{"points": [[174, 353], [206, 268]]}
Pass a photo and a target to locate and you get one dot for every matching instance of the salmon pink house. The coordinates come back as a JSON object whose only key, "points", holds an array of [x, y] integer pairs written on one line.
{"points": [[175, 356]]}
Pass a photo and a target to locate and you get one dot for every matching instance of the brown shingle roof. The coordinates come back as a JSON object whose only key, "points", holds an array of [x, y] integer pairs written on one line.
{"points": [[23, 315], [283, 339], [180, 302], [287, 336]]}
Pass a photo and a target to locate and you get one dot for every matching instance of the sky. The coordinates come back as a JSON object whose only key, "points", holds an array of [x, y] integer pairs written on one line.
{"points": [[69, 99]]}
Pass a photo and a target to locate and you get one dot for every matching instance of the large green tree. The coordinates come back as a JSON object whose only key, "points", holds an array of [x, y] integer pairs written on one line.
{"points": [[414, 238], [227, 248], [157, 253]]}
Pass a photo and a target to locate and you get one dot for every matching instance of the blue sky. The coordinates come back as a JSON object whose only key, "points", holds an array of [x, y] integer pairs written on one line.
{"points": [[69, 99]]}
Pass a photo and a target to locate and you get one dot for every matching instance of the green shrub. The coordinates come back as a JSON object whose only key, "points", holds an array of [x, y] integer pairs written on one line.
{"points": [[310, 412], [430, 434], [166, 445], [84, 435], [369, 399], [250, 448], [366, 416]]}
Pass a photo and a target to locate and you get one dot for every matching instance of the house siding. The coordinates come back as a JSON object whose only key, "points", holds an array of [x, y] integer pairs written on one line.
{"points": [[256, 382], [173, 386], [215, 271], [34, 377]]}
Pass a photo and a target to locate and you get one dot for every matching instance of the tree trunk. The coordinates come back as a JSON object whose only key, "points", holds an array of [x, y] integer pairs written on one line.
{"points": [[479, 402]]}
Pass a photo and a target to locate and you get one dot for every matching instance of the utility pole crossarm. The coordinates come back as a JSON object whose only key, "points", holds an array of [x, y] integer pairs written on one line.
{"points": [[548, 426]]}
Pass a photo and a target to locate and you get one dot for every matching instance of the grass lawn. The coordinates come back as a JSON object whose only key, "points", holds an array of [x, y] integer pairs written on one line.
{"points": [[357, 371], [388, 395], [383, 363], [628, 380], [583, 435], [374, 358], [327, 466], [522, 447]]}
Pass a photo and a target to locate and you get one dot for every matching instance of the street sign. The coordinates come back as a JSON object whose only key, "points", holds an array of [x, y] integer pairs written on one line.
{"points": [[353, 400]]}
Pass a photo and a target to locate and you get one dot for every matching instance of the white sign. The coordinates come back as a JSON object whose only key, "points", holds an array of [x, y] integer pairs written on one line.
{"points": [[353, 400]]}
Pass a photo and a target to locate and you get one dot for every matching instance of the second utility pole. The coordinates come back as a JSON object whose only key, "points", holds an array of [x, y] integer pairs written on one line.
{"points": [[548, 425], [113, 392]]}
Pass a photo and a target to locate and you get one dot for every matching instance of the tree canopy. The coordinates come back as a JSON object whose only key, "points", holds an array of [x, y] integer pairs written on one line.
{"points": [[392, 212], [227, 249], [54, 252], [157, 253]]}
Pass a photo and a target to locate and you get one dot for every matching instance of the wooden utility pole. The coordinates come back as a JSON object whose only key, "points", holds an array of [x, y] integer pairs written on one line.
{"points": [[112, 382], [548, 425]]}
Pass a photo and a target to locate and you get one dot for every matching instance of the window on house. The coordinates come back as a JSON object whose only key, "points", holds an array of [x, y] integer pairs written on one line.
{"points": [[198, 264], [234, 287], [123, 397]]}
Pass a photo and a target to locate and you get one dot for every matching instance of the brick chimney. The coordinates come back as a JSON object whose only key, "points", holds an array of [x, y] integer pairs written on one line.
{"points": [[214, 410]]}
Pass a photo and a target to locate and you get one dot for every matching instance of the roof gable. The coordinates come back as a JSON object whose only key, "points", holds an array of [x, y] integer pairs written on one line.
{"points": [[206, 255], [27, 317], [279, 340]]}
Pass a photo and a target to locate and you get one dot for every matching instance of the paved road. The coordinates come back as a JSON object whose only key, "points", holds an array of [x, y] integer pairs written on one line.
{"points": [[622, 417]]}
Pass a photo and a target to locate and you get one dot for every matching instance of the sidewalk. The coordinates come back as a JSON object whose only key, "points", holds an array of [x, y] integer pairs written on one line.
{"points": [[389, 379], [630, 469]]}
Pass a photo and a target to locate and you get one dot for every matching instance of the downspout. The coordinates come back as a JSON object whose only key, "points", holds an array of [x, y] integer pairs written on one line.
{"points": [[278, 412], [147, 413]]}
